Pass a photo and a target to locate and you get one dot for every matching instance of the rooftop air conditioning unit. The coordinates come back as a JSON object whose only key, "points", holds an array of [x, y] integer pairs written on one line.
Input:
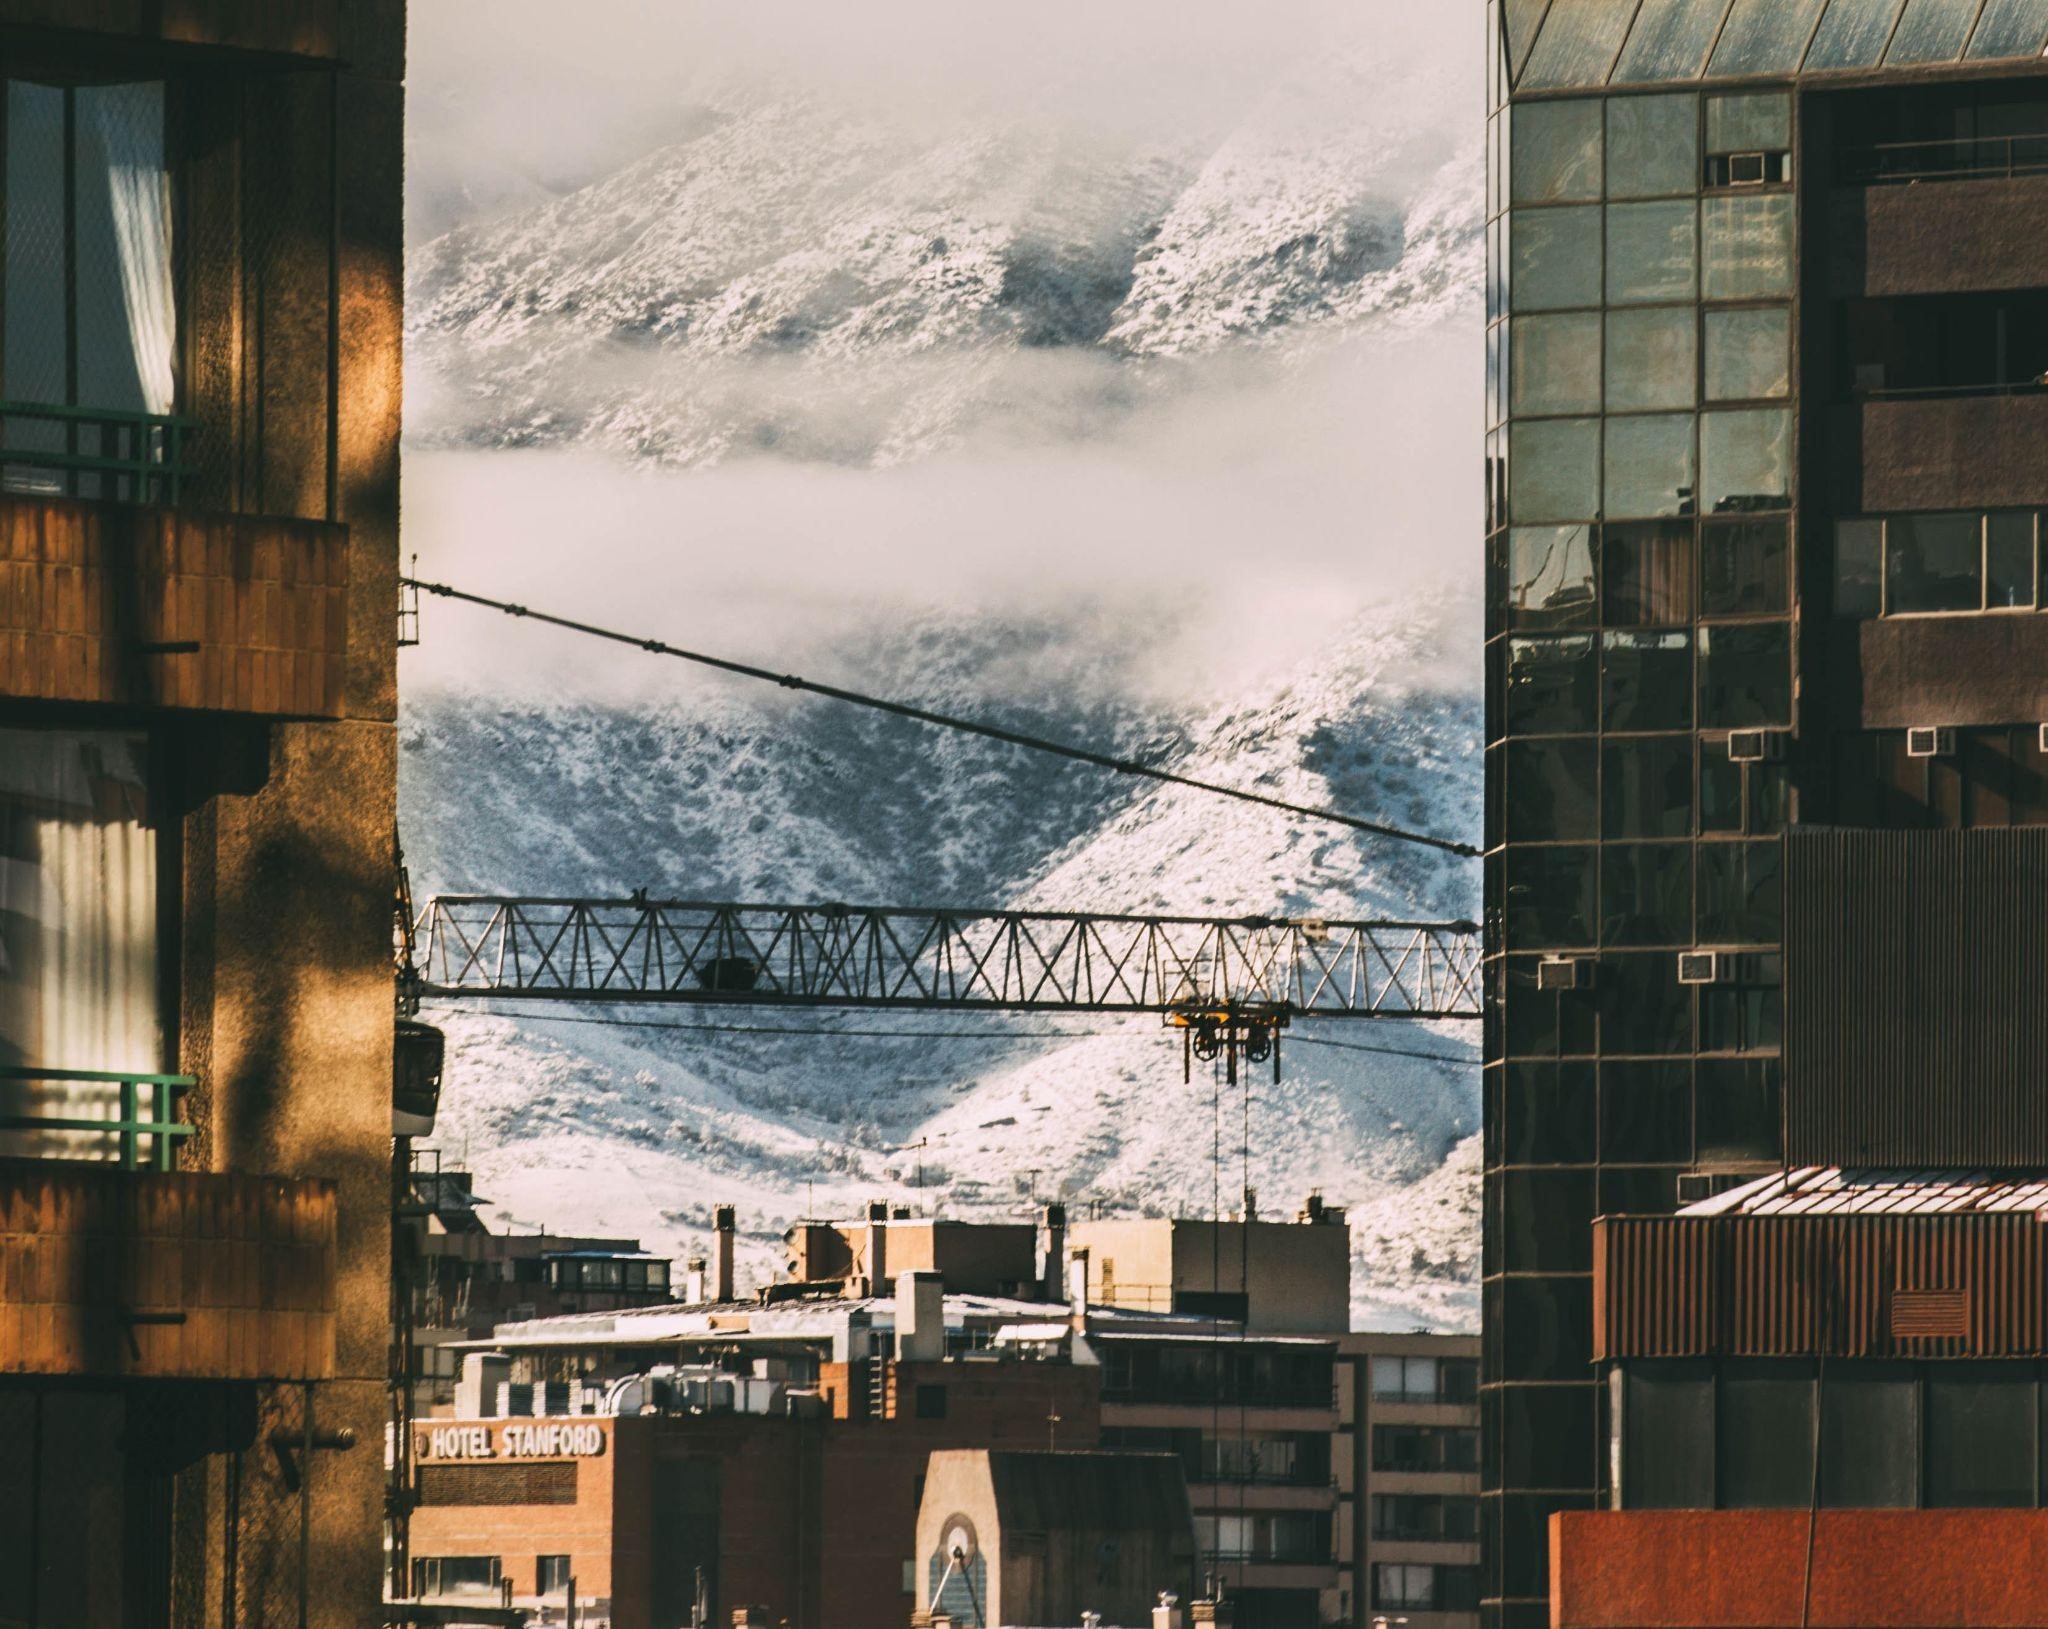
{"points": [[1930, 741], [1701, 966], [1747, 169], [1564, 973], [1754, 746]]}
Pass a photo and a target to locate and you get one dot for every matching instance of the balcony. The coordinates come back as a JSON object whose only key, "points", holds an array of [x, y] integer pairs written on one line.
{"points": [[121, 1267], [137, 606], [1946, 450], [1977, 229], [1869, 1569]]}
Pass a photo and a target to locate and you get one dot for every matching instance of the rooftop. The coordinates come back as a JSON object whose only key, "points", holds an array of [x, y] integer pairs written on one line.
{"points": [[1833, 1190]]}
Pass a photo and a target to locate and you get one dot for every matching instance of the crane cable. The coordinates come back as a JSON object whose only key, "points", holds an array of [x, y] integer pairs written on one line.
{"points": [[949, 721]]}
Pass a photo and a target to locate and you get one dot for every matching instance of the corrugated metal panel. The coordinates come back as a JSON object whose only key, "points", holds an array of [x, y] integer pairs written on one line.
{"points": [[1797, 1286], [1916, 967]]}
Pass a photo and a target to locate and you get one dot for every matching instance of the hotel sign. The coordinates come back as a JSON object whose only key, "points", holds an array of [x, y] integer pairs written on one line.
{"points": [[511, 1439]]}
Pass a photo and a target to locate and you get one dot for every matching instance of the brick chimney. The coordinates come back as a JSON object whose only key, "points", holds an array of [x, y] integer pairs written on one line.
{"points": [[1052, 1269], [725, 1230]]}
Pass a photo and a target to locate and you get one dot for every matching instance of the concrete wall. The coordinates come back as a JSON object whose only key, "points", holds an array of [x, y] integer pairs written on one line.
{"points": [[1297, 1274]]}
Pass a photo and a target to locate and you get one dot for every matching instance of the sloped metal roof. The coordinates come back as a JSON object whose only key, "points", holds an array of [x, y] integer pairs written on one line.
{"points": [[1833, 1190], [1590, 44]]}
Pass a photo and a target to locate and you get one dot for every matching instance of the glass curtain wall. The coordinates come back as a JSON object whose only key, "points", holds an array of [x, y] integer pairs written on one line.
{"points": [[1640, 455]]}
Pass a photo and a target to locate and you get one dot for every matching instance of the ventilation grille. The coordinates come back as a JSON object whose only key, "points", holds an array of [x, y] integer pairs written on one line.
{"points": [[1930, 1314]]}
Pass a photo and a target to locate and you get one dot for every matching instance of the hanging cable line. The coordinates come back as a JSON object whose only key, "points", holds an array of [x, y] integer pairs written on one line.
{"points": [[948, 721]]}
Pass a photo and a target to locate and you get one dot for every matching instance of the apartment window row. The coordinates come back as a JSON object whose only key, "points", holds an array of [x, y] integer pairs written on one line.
{"points": [[1425, 1448], [1934, 564], [1735, 676], [1632, 1005], [1646, 359], [1219, 1371], [1639, 1111], [1583, 897], [1649, 466], [1294, 1537], [1578, 789], [1645, 574], [1739, 1434], [1291, 1459], [1425, 1518], [457, 1575], [1584, 150], [606, 1273], [1991, 778], [1424, 1587], [1410, 1379]]}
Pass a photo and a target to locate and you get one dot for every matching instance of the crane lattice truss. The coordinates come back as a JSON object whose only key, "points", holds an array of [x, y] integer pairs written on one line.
{"points": [[1007, 961]]}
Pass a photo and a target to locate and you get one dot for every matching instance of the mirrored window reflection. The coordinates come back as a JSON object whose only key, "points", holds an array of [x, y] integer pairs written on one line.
{"points": [[1550, 685], [1853, 34], [1741, 893], [1646, 1113], [1652, 252], [2010, 28], [1745, 1012], [1555, 367], [1646, 790], [1980, 1436], [1745, 672], [1646, 680], [1932, 31], [1650, 466], [1721, 801], [1764, 37], [1547, 1114], [1766, 1436], [1747, 247], [1521, 17], [1651, 358], [1737, 1109], [1550, 897], [1749, 353], [1756, 123], [1551, 789], [2009, 561], [1550, 576], [1553, 261], [1745, 460], [1870, 1438], [1556, 152], [1644, 1010], [1670, 41], [1934, 563], [1648, 575], [1577, 45], [1554, 470], [1745, 568], [1859, 566], [1653, 142]]}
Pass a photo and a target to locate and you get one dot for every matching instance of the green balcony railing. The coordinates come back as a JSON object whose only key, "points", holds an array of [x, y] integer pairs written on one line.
{"points": [[93, 452], [164, 1092]]}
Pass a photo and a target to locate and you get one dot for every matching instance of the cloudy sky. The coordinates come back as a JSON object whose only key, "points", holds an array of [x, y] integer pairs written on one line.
{"points": [[1197, 535]]}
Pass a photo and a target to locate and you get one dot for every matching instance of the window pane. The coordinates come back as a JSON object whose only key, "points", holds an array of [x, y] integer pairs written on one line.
{"points": [[1651, 252], [1749, 354], [1556, 152], [1548, 1114], [1646, 1113], [1647, 790], [1668, 1436], [1550, 686], [1577, 44], [1550, 789], [2010, 28], [1647, 681], [1745, 675], [1765, 37], [1859, 556], [1980, 1435], [1745, 1012], [121, 228], [1651, 358], [1649, 466], [1870, 1438], [1550, 576], [1554, 364], [1932, 31], [1554, 470], [1766, 1432], [1721, 803], [1853, 34], [1747, 251], [1549, 268], [1521, 17], [35, 280], [1745, 460], [1648, 574], [1744, 568], [1646, 894], [2009, 560], [1547, 1224], [1670, 41], [1760, 123], [1741, 893], [1653, 144], [1934, 563], [1643, 1007], [1550, 897], [1738, 1109]]}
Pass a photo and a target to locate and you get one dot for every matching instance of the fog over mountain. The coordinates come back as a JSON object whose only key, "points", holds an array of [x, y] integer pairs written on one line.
{"points": [[1141, 420]]}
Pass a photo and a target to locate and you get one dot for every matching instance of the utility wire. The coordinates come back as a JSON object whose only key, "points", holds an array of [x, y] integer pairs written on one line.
{"points": [[907, 1034], [948, 721]]}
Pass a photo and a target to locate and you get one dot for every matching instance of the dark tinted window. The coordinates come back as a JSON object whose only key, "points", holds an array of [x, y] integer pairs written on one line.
{"points": [[1668, 1436], [1766, 1431], [1980, 1435], [1870, 1438]]}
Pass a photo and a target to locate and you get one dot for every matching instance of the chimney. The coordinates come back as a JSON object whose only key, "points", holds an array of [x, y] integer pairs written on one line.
{"points": [[476, 1393], [920, 1317], [1168, 1614], [724, 1228], [1251, 1204], [696, 1274], [1077, 1290], [878, 1244], [1053, 1267], [1312, 1210]]}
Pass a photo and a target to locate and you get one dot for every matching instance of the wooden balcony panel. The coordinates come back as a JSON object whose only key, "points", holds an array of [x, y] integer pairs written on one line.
{"points": [[165, 1275], [86, 587]]}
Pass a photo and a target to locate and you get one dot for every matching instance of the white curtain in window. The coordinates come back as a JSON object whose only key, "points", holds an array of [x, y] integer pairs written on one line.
{"points": [[78, 929], [129, 121]]}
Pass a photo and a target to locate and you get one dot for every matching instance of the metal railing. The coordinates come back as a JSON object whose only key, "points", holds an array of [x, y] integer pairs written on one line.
{"points": [[1966, 158], [130, 1128], [92, 452]]}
